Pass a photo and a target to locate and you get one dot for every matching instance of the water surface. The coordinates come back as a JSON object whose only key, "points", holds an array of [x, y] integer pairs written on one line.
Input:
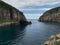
{"points": [[35, 34]]}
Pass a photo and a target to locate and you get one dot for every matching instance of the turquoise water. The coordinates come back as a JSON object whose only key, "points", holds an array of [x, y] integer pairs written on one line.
{"points": [[35, 34]]}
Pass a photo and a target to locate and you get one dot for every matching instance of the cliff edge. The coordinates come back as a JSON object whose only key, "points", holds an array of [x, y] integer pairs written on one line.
{"points": [[52, 15], [8, 12]]}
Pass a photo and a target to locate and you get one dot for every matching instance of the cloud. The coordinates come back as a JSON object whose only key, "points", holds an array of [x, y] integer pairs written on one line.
{"points": [[26, 3], [36, 9], [33, 9], [32, 16]]}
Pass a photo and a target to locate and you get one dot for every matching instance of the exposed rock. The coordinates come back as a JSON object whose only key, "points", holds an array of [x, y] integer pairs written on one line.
{"points": [[22, 22], [53, 40], [8, 12], [52, 15], [58, 36], [30, 22]]}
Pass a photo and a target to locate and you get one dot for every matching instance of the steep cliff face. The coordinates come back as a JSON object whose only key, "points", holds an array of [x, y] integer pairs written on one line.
{"points": [[52, 15], [8, 12]]}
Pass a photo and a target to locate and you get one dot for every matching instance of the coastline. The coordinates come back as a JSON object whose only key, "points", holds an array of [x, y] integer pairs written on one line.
{"points": [[53, 40], [8, 24]]}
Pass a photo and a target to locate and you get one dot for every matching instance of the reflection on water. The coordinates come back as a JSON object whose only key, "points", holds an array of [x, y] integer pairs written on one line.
{"points": [[8, 34], [35, 34]]}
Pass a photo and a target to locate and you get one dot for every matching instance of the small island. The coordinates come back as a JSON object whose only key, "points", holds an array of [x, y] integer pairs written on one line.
{"points": [[52, 15]]}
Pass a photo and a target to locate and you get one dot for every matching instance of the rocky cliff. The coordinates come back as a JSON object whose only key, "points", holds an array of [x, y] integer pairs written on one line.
{"points": [[8, 12], [52, 15], [53, 40]]}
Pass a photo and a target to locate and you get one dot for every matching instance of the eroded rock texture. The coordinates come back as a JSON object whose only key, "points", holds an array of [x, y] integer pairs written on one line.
{"points": [[8, 12], [52, 15]]}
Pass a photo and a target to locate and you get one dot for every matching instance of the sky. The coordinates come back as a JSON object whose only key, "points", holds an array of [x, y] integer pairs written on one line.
{"points": [[33, 9]]}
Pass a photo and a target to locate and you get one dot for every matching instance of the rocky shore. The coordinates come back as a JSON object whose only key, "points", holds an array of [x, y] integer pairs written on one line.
{"points": [[52, 15], [53, 40], [8, 24]]}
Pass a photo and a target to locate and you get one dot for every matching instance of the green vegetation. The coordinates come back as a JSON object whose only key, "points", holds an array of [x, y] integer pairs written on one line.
{"points": [[58, 43], [7, 6], [4, 21], [4, 5], [9, 10]]}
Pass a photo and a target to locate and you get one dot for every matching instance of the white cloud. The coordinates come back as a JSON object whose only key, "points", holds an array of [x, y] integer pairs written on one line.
{"points": [[32, 16], [53, 3], [24, 3], [21, 4], [36, 9]]}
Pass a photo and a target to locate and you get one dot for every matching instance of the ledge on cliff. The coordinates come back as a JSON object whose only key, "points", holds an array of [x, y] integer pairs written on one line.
{"points": [[53, 40], [52, 15]]}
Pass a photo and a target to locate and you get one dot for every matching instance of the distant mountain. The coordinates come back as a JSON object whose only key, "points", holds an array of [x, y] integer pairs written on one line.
{"points": [[52, 15]]}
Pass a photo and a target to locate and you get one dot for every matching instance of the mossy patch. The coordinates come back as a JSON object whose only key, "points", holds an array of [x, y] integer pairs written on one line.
{"points": [[58, 43], [4, 21]]}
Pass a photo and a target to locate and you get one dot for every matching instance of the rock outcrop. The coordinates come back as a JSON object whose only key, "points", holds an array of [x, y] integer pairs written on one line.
{"points": [[52, 15], [8, 12], [53, 40]]}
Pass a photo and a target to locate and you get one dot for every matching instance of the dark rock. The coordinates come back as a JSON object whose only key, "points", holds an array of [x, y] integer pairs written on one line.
{"points": [[25, 22], [29, 22]]}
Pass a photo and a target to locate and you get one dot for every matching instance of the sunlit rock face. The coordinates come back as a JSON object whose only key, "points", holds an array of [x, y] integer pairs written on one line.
{"points": [[8, 12], [52, 15]]}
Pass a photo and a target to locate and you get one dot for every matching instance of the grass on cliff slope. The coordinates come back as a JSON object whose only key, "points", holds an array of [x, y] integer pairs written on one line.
{"points": [[7, 6], [58, 43], [4, 21]]}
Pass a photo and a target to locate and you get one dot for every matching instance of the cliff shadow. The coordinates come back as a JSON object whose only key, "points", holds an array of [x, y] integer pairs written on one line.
{"points": [[10, 33]]}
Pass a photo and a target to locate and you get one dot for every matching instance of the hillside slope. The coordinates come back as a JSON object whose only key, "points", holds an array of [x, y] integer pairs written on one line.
{"points": [[52, 15], [8, 12]]}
